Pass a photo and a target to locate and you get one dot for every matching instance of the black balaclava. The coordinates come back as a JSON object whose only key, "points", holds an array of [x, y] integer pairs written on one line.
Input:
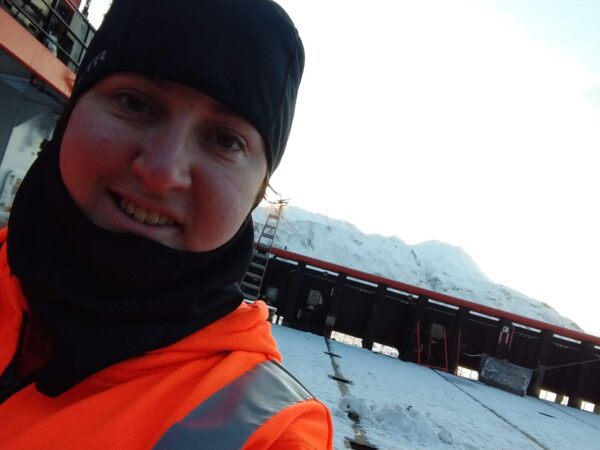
{"points": [[108, 296]]}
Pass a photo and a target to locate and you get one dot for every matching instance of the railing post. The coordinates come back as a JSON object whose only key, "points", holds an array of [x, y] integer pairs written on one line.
{"points": [[291, 305], [582, 376], [335, 304], [369, 336], [410, 341], [542, 360], [455, 339]]}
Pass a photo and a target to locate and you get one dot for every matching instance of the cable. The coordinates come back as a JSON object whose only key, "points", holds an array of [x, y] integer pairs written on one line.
{"points": [[567, 365]]}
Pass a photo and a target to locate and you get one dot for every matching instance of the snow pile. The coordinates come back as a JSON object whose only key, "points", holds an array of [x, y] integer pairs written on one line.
{"points": [[401, 422], [431, 265]]}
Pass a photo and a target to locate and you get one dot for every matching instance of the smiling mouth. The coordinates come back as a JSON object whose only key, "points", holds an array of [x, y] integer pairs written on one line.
{"points": [[143, 215]]}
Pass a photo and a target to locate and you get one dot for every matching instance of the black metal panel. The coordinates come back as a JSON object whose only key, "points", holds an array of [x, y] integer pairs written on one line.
{"points": [[392, 318], [353, 318], [559, 379], [590, 387], [478, 336], [279, 275], [312, 317], [524, 346]]}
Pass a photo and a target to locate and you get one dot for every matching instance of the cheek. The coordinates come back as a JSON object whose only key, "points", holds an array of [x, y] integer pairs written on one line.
{"points": [[248, 189], [241, 205], [222, 198], [71, 162], [222, 203], [89, 163], [89, 148]]}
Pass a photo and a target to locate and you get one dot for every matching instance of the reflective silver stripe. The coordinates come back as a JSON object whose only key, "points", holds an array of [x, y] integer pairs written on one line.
{"points": [[227, 419]]}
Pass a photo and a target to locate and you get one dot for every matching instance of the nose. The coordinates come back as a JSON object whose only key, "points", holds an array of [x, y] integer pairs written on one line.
{"points": [[162, 163]]}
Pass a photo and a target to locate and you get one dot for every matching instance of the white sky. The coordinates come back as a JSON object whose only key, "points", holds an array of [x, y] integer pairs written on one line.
{"points": [[470, 122]]}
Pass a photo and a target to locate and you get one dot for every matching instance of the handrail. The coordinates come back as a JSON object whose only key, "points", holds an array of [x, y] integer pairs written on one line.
{"points": [[41, 30], [76, 11], [24, 48], [580, 336], [59, 17]]}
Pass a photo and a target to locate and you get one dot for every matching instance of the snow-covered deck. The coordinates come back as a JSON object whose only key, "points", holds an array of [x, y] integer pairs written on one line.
{"points": [[405, 406]]}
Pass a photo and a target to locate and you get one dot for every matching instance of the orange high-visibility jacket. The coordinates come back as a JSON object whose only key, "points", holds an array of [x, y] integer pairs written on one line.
{"points": [[143, 402]]}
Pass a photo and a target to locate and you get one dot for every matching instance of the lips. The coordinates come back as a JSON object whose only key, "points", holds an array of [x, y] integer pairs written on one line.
{"points": [[144, 215]]}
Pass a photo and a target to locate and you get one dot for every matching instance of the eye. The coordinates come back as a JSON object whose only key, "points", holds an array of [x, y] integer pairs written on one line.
{"points": [[227, 140], [134, 103]]}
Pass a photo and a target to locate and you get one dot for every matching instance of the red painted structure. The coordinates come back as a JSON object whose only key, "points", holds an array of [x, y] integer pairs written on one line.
{"points": [[455, 301]]}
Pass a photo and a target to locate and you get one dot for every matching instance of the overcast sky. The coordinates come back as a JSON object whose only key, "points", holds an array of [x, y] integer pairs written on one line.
{"points": [[469, 122]]}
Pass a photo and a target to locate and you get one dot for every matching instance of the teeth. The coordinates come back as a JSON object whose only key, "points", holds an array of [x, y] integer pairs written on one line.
{"points": [[142, 215], [152, 218]]}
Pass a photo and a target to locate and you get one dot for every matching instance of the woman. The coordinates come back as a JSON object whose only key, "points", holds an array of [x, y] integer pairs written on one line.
{"points": [[122, 324]]}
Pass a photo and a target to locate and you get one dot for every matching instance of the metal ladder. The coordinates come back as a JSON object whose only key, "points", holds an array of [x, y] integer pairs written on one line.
{"points": [[252, 281]]}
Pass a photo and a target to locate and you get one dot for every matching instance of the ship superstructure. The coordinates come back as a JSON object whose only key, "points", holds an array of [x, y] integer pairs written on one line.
{"points": [[41, 45]]}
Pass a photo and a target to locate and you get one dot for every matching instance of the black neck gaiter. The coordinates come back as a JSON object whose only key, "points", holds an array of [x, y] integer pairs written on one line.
{"points": [[108, 296]]}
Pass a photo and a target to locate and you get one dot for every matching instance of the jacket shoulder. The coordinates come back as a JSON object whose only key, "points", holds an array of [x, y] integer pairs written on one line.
{"points": [[254, 411], [303, 426]]}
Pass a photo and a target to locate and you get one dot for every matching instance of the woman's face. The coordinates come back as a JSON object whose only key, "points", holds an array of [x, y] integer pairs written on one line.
{"points": [[161, 160]]}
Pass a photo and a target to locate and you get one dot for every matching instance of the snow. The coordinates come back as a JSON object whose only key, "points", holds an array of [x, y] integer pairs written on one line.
{"points": [[432, 265], [399, 405]]}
